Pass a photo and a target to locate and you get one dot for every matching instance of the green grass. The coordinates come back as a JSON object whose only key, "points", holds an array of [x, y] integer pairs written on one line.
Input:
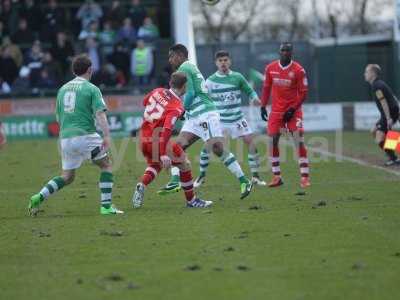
{"points": [[292, 247]]}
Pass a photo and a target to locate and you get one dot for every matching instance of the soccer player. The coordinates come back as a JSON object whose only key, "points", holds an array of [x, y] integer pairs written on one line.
{"points": [[286, 80], [226, 87], [162, 108], [3, 139], [202, 121], [79, 103], [388, 108]]}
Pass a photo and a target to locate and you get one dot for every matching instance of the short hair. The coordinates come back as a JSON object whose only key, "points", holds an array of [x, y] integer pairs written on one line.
{"points": [[180, 49], [375, 68], [221, 53], [178, 80], [287, 44], [80, 64]]}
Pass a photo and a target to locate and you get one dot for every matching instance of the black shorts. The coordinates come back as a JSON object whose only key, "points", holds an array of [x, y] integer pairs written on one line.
{"points": [[381, 125]]}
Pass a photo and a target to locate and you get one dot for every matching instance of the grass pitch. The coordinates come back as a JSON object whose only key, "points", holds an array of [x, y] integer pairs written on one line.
{"points": [[340, 240]]}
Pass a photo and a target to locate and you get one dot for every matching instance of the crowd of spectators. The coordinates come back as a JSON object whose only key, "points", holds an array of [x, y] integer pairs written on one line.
{"points": [[38, 41]]}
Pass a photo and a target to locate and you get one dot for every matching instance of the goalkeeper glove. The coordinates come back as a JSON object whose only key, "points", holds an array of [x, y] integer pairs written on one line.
{"points": [[264, 113], [288, 115]]}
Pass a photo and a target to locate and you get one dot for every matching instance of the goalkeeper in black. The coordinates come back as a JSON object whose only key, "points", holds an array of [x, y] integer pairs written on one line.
{"points": [[388, 108]]}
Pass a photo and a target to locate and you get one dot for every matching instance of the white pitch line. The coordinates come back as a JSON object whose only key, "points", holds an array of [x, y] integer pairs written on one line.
{"points": [[346, 158], [353, 160]]}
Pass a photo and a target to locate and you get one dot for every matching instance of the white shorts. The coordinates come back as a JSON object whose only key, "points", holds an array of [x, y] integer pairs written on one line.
{"points": [[205, 126], [237, 129], [75, 150]]}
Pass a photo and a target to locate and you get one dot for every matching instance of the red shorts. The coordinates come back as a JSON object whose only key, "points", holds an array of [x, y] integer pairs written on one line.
{"points": [[151, 151], [275, 122]]}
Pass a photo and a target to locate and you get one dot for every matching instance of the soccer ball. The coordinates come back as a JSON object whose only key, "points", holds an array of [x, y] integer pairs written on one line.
{"points": [[210, 2]]}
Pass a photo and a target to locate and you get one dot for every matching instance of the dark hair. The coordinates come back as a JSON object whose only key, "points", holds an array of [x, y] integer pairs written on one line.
{"points": [[178, 80], [376, 69], [221, 53], [180, 49], [286, 44], [80, 64]]}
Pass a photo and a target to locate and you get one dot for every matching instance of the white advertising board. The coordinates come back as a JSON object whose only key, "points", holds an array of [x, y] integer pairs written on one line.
{"points": [[317, 117], [366, 114]]}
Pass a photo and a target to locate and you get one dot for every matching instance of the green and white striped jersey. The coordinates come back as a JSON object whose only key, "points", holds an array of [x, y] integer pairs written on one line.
{"points": [[197, 99], [77, 103], [226, 92]]}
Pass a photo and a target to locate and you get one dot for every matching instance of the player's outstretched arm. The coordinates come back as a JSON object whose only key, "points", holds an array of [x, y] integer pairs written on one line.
{"points": [[302, 88], [267, 86], [385, 106], [190, 93], [248, 90], [101, 119]]}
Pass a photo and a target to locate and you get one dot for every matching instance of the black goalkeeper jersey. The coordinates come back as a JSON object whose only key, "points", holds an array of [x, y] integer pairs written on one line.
{"points": [[381, 90]]}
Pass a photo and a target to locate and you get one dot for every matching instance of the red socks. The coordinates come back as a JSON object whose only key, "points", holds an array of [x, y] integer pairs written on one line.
{"points": [[274, 159], [187, 184], [303, 161], [149, 174]]}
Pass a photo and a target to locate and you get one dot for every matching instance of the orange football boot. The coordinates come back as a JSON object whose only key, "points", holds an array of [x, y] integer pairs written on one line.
{"points": [[305, 182], [276, 181]]}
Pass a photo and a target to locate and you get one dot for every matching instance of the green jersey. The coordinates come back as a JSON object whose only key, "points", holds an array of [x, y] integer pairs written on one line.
{"points": [[77, 103], [226, 92], [197, 100]]}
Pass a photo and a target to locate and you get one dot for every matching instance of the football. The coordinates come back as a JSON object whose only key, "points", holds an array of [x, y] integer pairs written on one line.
{"points": [[210, 2]]}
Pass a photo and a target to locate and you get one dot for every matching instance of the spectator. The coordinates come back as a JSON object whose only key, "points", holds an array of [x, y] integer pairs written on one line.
{"points": [[106, 76], [22, 83], [52, 68], [9, 69], [3, 32], [15, 51], [137, 13], [53, 21], [63, 52], [115, 14], [46, 81], [120, 60], [32, 13], [141, 63], [23, 36], [148, 31], [91, 32], [92, 49], [127, 33], [5, 88], [107, 38], [164, 77], [33, 60], [88, 12], [9, 16]]}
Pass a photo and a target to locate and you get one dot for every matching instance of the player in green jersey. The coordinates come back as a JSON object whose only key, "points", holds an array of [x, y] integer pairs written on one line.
{"points": [[225, 87], [202, 121], [79, 104]]}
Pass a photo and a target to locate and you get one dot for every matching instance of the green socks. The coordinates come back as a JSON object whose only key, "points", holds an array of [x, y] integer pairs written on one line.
{"points": [[105, 185], [55, 184]]}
